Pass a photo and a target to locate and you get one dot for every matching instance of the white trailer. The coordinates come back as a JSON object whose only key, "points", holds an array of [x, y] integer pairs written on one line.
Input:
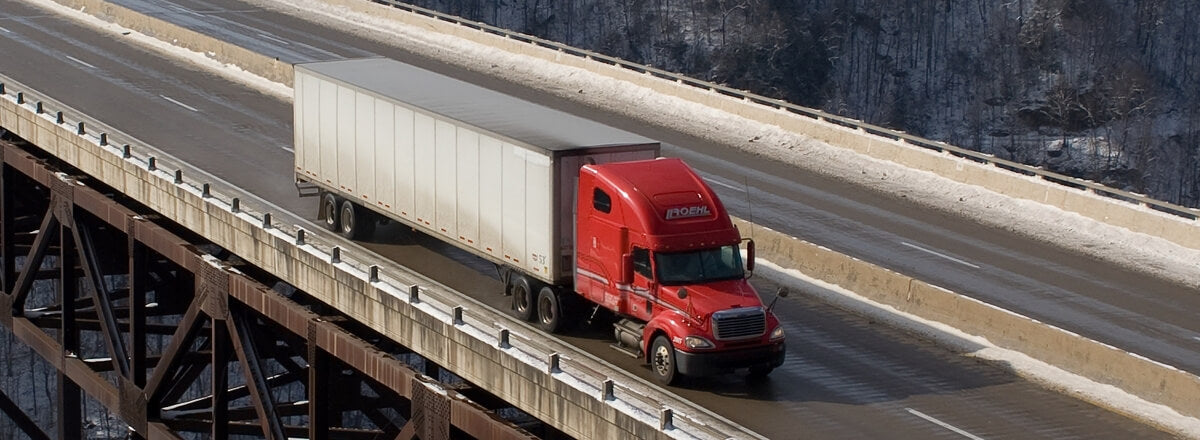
{"points": [[485, 171]]}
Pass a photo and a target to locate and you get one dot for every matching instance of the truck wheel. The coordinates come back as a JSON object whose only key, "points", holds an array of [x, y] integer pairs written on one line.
{"points": [[662, 361], [522, 298], [549, 310], [329, 207], [356, 222]]}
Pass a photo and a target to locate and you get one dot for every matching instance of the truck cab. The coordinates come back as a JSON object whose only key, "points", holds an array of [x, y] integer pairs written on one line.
{"points": [[655, 246]]}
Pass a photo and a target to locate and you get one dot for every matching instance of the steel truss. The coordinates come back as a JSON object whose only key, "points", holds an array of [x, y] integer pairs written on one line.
{"points": [[173, 336]]}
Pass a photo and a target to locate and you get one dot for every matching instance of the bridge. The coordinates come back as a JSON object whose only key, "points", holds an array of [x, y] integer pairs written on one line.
{"points": [[221, 283]]}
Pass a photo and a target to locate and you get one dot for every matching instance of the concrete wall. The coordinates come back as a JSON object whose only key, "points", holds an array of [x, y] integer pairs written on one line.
{"points": [[569, 398], [1102, 363]]}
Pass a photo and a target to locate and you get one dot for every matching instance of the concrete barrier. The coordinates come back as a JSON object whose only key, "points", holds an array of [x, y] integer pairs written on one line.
{"points": [[1144, 378]]}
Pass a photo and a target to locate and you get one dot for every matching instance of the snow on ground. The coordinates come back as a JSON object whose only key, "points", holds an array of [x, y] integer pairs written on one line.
{"points": [[1068, 230]]}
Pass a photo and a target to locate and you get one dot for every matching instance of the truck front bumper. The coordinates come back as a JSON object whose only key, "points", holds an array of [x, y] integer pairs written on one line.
{"points": [[716, 362]]}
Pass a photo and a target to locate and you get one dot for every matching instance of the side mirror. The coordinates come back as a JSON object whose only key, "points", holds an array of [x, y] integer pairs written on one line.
{"points": [[750, 255], [626, 269], [781, 293]]}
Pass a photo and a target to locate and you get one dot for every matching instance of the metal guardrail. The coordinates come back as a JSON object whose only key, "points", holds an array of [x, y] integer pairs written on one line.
{"points": [[673, 416], [1049, 176]]}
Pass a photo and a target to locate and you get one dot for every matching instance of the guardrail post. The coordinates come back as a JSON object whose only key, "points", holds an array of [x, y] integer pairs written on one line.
{"points": [[235, 205], [178, 177], [299, 234], [266, 224], [552, 364], [125, 151], [666, 419], [20, 97], [81, 130], [58, 119], [1, 88], [103, 139], [39, 108], [335, 255], [205, 190], [503, 339], [150, 165], [414, 293], [457, 312], [373, 273], [606, 390]]}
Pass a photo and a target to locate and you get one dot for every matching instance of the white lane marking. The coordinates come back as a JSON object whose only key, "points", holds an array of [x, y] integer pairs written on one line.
{"points": [[939, 254], [943, 424], [77, 60], [185, 10], [718, 182], [277, 40], [5, 29], [1196, 338], [179, 103]]}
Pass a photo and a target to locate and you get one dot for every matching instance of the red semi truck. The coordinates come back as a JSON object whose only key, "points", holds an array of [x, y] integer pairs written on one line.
{"points": [[579, 217]]}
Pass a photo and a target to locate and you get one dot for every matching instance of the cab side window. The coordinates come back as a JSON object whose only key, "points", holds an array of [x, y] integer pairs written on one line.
{"points": [[641, 262], [601, 201]]}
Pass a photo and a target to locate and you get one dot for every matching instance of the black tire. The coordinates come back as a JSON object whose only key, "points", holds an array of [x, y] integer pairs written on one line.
{"points": [[329, 208], [522, 298], [662, 361], [549, 310], [356, 222]]}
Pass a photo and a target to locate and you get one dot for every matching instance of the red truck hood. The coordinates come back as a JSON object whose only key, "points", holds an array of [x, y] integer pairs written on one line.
{"points": [[712, 297]]}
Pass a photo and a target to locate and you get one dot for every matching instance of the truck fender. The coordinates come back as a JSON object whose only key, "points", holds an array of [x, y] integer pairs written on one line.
{"points": [[669, 323]]}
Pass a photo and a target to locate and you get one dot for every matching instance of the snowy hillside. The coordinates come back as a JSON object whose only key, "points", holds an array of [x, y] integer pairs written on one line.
{"points": [[1108, 84]]}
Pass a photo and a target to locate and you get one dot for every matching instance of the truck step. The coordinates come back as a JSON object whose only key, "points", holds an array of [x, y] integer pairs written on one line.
{"points": [[631, 351]]}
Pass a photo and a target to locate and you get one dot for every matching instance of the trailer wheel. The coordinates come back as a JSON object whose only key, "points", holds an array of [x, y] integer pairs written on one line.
{"points": [[329, 208], [549, 310], [356, 222], [662, 361], [522, 298]]}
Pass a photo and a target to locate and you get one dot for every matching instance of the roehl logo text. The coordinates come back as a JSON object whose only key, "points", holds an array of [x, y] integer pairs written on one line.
{"points": [[687, 211]]}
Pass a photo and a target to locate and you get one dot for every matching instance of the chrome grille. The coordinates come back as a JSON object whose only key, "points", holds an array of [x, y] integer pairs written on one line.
{"points": [[740, 323]]}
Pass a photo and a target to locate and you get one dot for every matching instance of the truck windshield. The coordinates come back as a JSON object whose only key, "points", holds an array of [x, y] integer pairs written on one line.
{"points": [[701, 266]]}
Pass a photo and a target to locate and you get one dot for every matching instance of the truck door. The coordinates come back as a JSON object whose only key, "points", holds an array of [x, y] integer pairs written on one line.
{"points": [[640, 303], [598, 245]]}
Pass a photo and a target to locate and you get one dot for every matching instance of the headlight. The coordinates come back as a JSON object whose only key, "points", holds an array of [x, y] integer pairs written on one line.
{"points": [[695, 342], [777, 334]]}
